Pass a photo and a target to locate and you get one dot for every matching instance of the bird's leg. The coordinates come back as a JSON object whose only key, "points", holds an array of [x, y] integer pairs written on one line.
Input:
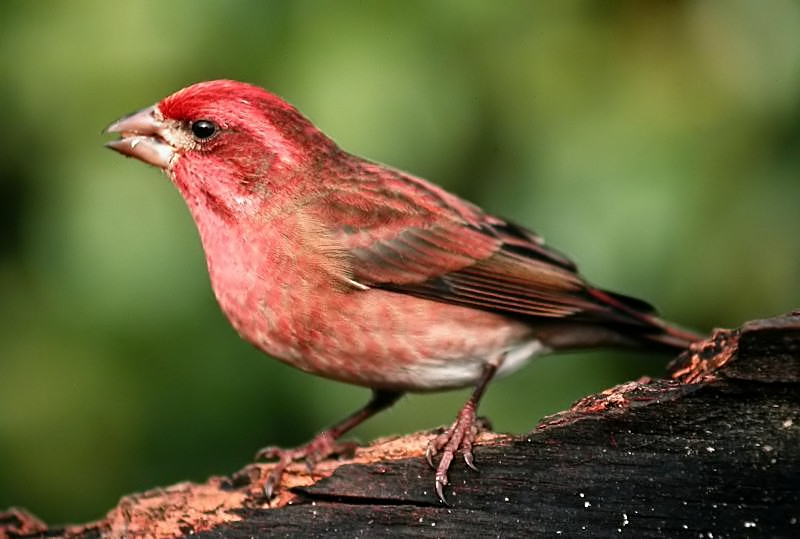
{"points": [[324, 443], [460, 435]]}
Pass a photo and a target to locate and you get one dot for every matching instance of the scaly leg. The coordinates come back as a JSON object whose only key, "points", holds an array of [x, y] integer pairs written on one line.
{"points": [[460, 435], [324, 443]]}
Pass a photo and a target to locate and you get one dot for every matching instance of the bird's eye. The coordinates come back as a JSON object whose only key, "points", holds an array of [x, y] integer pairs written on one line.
{"points": [[203, 129]]}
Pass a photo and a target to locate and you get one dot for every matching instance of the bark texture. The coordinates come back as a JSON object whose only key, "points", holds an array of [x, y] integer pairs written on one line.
{"points": [[712, 451]]}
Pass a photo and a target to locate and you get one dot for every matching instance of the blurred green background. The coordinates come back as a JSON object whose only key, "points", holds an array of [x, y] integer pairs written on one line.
{"points": [[655, 142]]}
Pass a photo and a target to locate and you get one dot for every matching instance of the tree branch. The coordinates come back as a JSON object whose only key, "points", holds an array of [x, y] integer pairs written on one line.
{"points": [[715, 451]]}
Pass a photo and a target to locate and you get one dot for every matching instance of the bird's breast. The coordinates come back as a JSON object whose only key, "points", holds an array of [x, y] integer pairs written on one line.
{"points": [[285, 300]]}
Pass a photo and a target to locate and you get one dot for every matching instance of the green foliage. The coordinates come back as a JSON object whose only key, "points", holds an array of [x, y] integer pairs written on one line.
{"points": [[655, 142]]}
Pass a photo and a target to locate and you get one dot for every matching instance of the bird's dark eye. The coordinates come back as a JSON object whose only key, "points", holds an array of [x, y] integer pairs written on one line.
{"points": [[203, 129]]}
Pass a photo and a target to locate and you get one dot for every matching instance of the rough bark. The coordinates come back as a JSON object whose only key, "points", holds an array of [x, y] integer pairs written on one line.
{"points": [[714, 451]]}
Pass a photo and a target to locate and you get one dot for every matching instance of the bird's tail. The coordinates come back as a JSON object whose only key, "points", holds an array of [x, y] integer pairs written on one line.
{"points": [[672, 336], [649, 327]]}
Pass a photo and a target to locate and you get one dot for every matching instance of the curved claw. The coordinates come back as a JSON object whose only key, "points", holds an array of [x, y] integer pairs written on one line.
{"points": [[274, 477], [269, 486], [440, 490], [268, 453], [468, 460], [430, 452]]}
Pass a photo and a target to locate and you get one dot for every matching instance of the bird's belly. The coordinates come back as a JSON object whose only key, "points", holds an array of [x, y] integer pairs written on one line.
{"points": [[386, 340], [446, 374]]}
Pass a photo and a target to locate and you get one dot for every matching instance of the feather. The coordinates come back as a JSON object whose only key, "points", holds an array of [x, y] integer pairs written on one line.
{"points": [[418, 239]]}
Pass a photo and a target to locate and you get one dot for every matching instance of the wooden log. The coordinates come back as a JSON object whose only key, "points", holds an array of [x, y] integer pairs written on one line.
{"points": [[712, 452]]}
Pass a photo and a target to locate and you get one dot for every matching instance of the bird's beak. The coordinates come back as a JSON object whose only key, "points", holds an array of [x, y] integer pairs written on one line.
{"points": [[142, 137]]}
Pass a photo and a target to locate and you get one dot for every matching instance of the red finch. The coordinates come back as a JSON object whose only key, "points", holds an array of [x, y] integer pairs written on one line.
{"points": [[361, 273]]}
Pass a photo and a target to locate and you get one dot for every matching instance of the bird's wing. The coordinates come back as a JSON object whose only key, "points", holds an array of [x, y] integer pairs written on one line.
{"points": [[469, 266], [420, 240]]}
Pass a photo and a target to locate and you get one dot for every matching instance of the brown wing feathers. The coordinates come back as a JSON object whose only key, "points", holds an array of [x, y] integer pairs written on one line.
{"points": [[466, 257]]}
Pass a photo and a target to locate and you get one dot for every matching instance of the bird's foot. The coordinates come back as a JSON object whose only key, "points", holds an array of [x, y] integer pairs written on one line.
{"points": [[323, 445], [458, 437]]}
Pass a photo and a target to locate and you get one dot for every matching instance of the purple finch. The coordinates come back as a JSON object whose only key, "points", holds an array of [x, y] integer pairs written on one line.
{"points": [[361, 273]]}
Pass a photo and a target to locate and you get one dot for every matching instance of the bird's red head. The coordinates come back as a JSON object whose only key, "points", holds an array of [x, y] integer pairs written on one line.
{"points": [[225, 114], [223, 141]]}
